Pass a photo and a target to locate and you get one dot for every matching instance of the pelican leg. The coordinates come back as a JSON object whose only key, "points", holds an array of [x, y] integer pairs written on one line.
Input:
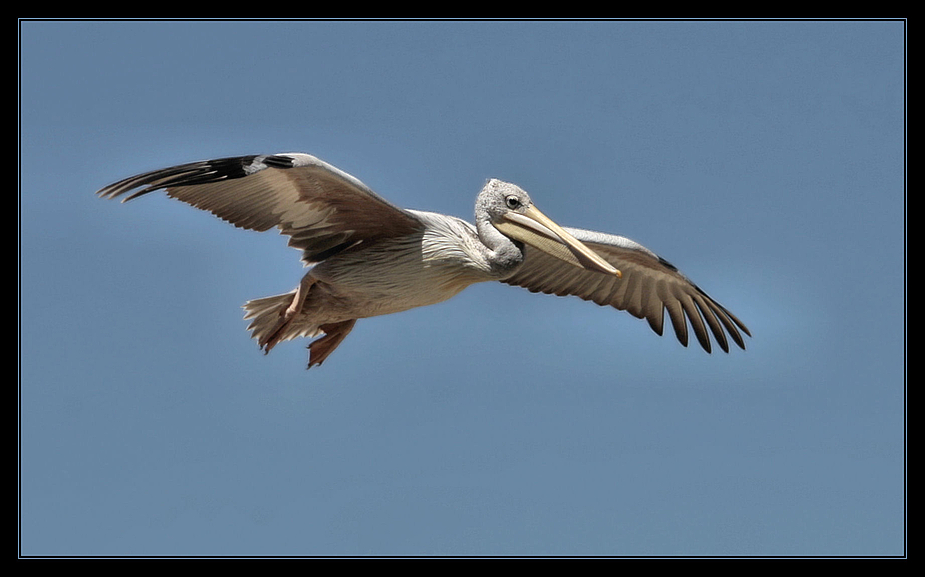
{"points": [[286, 316], [334, 334]]}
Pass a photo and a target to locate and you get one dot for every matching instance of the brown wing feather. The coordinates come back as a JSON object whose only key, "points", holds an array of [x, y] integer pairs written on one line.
{"points": [[649, 286], [321, 208]]}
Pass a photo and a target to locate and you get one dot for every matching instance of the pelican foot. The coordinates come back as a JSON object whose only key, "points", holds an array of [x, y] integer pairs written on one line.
{"points": [[280, 330], [334, 334]]}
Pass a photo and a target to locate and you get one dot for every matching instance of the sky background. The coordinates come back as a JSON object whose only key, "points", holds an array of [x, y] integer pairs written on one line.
{"points": [[764, 159]]}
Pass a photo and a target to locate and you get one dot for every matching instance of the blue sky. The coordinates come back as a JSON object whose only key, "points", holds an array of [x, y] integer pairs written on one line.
{"points": [[764, 159]]}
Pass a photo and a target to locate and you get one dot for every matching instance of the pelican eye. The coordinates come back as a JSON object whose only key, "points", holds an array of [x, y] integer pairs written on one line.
{"points": [[512, 202]]}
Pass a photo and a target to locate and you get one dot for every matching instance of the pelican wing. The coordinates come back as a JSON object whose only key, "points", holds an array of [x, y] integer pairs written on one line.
{"points": [[649, 285], [321, 208]]}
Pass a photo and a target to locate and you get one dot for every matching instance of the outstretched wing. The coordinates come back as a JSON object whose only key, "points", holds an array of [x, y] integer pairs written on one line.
{"points": [[649, 285], [321, 208]]}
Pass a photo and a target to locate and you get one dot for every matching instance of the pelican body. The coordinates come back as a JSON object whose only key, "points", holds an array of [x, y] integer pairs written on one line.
{"points": [[369, 257]]}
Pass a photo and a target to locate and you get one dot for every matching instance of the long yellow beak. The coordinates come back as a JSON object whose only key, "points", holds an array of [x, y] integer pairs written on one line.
{"points": [[538, 230]]}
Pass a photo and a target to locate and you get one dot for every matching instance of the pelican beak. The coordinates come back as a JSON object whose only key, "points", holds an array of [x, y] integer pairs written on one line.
{"points": [[538, 230]]}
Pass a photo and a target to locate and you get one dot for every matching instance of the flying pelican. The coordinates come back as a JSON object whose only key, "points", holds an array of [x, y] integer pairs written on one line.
{"points": [[372, 258]]}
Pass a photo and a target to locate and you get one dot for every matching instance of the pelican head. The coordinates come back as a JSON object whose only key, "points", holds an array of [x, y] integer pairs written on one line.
{"points": [[508, 208]]}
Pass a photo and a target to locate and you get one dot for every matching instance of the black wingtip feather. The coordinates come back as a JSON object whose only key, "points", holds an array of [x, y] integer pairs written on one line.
{"points": [[190, 174]]}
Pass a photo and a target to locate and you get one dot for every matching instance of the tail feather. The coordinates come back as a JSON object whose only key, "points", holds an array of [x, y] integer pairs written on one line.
{"points": [[265, 313]]}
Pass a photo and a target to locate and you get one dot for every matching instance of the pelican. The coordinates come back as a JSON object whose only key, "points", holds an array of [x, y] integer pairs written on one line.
{"points": [[369, 257]]}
